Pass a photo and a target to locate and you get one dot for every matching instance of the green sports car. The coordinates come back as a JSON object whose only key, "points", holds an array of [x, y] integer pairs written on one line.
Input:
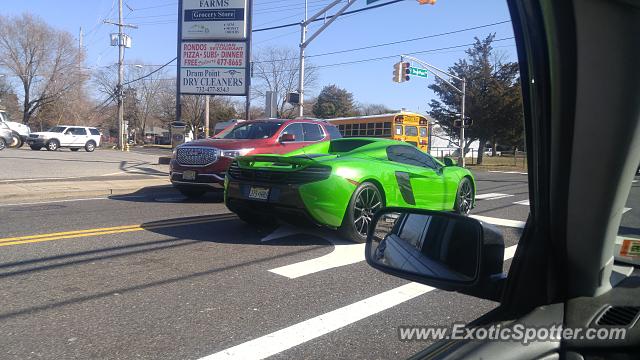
{"points": [[341, 183]]}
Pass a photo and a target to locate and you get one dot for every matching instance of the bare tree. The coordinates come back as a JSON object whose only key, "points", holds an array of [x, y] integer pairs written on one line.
{"points": [[373, 109], [142, 92], [276, 69], [44, 59]]}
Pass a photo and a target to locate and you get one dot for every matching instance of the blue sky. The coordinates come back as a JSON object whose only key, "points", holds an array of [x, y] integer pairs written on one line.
{"points": [[154, 42]]}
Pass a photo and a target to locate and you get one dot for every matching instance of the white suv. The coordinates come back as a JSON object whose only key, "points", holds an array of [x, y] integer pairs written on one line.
{"points": [[73, 137]]}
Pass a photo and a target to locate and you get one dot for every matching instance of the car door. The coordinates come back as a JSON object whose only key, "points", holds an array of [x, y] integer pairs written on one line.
{"points": [[80, 137], [67, 137], [424, 175]]}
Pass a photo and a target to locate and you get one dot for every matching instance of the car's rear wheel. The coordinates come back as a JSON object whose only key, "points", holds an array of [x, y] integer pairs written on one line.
{"points": [[365, 201], [90, 146], [33, 147], [464, 197], [192, 193], [3, 144], [53, 145]]}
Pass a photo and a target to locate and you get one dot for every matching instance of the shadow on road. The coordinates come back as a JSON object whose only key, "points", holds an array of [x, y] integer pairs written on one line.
{"points": [[167, 194]]}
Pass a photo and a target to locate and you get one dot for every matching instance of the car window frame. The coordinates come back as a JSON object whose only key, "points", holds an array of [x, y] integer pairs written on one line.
{"points": [[324, 134], [283, 131], [411, 148]]}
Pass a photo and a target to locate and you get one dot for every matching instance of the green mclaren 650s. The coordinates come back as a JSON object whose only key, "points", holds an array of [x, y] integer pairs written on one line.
{"points": [[341, 183]]}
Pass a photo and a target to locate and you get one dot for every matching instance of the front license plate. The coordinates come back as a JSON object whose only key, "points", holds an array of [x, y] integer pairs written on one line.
{"points": [[189, 175], [259, 193]]}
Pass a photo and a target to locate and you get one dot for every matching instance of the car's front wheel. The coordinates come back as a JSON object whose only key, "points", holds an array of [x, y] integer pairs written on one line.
{"points": [[90, 146], [53, 145], [464, 197], [365, 201], [16, 140]]}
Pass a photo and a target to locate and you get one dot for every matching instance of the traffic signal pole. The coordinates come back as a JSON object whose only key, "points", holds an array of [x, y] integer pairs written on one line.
{"points": [[439, 74], [304, 42]]}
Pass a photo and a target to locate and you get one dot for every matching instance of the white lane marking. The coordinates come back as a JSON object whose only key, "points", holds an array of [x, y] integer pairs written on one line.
{"points": [[500, 222], [522, 202], [624, 210], [344, 252], [508, 172], [492, 196], [307, 330], [634, 181], [115, 197]]}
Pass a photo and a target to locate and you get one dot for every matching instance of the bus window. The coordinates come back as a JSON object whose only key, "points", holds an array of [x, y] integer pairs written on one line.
{"points": [[398, 129], [423, 131], [411, 131]]}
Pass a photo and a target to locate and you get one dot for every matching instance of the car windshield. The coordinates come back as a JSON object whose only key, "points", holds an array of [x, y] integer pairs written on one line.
{"points": [[254, 130], [57, 129]]}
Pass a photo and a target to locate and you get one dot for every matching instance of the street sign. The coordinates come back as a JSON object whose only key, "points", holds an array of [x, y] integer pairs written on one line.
{"points": [[213, 67], [214, 19], [419, 72]]}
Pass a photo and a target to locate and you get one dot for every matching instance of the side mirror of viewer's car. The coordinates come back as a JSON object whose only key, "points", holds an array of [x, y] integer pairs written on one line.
{"points": [[449, 162], [444, 250]]}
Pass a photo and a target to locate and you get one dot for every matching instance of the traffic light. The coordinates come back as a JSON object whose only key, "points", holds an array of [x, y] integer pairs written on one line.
{"points": [[401, 71], [406, 71], [467, 123], [427, 2]]}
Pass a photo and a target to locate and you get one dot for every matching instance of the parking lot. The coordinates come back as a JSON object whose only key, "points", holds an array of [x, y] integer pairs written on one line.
{"points": [[149, 274]]}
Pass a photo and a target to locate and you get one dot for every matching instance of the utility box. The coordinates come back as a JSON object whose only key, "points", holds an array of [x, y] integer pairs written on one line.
{"points": [[177, 133]]}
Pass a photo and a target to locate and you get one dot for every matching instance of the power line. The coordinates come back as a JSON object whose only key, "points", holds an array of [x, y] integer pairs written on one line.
{"points": [[436, 50], [151, 73], [397, 42], [331, 16]]}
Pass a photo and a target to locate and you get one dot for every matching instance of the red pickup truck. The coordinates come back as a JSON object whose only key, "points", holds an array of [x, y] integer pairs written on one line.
{"points": [[200, 166]]}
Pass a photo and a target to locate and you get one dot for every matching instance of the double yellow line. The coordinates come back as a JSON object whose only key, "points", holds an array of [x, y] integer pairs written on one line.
{"points": [[111, 230]]}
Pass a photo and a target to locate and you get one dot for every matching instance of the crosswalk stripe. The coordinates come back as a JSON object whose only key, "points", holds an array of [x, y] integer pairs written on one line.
{"points": [[284, 339], [522, 202], [499, 221], [492, 196]]}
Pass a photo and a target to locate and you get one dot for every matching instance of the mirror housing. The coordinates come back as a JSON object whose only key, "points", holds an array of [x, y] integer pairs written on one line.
{"points": [[449, 162], [287, 138], [440, 249]]}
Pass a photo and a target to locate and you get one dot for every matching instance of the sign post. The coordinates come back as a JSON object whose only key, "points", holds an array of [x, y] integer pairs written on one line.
{"points": [[214, 48]]}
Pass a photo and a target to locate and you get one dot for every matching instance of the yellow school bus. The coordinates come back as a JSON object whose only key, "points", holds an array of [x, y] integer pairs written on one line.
{"points": [[404, 126]]}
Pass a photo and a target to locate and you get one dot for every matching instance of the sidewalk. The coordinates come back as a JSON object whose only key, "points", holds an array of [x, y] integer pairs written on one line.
{"points": [[31, 191]]}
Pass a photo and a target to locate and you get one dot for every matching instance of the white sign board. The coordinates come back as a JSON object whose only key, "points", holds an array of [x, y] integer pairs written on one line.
{"points": [[214, 19], [213, 68]]}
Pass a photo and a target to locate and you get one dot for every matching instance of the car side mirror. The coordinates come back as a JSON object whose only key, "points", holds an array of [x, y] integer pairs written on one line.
{"points": [[440, 249], [449, 162], [287, 138]]}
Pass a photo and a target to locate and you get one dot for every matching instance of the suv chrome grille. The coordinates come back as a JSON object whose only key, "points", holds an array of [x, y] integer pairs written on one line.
{"points": [[196, 156]]}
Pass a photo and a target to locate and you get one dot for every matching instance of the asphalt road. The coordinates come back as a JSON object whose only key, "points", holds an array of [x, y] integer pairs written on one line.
{"points": [[26, 164], [161, 277]]}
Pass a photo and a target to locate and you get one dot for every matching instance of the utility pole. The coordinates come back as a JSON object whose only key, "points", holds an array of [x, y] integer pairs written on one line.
{"points": [[122, 42], [304, 42]]}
